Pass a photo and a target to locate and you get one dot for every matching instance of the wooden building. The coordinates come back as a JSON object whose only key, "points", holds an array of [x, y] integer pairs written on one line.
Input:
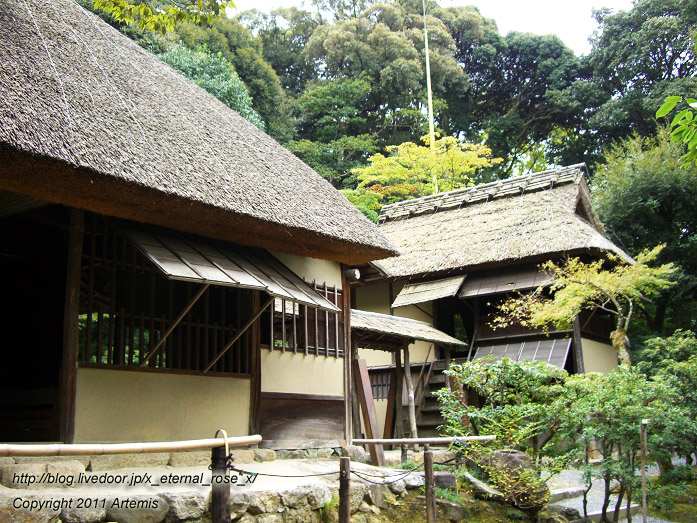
{"points": [[464, 251], [169, 269]]}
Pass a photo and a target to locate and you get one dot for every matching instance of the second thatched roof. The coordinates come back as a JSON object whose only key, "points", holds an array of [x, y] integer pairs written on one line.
{"points": [[91, 120], [522, 219]]}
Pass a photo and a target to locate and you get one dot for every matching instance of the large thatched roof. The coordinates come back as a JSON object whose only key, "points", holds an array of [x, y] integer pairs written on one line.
{"points": [[90, 119], [526, 218]]}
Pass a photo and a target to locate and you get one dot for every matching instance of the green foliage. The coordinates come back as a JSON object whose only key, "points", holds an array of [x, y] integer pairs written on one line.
{"points": [[577, 286], [216, 75], [644, 197], [163, 16], [684, 125], [673, 362], [244, 51], [415, 170], [639, 57], [368, 202]]}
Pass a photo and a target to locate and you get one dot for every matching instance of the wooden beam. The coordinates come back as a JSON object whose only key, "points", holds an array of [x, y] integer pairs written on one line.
{"points": [[174, 324], [355, 407], [68, 374], [392, 409], [240, 333], [370, 418]]}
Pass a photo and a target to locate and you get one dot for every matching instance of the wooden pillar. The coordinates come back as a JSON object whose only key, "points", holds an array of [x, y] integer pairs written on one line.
{"points": [[413, 433], [578, 347], [68, 374], [399, 403], [355, 407], [348, 357], [255, 393]]}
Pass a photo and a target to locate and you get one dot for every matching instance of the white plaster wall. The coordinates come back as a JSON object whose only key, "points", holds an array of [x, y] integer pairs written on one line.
{"points": [[121, 405], [598, 357], [312, 269], [302, 374]]}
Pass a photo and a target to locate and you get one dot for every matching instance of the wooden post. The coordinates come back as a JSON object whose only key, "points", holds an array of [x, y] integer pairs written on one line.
{"points": [[405, 453], [348, 355], [220, 498], [410, 393], [68, 374], [642, 429], [355, 407], [255, 402], [345, 491], [430, 486], [399, 400], [370, 418]]}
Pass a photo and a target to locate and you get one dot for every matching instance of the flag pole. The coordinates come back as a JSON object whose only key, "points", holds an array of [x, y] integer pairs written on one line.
{"points": [[431, 128]]}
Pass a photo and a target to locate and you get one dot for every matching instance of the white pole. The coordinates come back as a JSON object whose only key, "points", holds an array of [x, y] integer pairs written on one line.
{"points": [[431, 128]]}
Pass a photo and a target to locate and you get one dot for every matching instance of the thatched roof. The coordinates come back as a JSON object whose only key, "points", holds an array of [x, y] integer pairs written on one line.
{"points": [[397, 327], [522, 219], [90, 119]]}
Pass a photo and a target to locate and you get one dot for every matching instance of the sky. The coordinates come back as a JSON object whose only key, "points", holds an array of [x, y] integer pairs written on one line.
{"points": [[571, 20]]}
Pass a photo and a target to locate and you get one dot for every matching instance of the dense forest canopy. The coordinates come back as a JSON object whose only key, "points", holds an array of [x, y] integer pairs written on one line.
{"points": [[342, 85]]}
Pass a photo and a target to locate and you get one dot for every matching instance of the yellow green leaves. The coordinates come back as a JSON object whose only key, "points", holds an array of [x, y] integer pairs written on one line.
{"points": [[163, 20], [411, 170]]}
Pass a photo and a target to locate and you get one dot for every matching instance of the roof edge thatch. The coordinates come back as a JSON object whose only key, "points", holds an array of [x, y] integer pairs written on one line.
{"points": [[57, 182]]}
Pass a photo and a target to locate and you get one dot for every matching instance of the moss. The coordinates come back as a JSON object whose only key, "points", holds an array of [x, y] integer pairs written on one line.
{"points": [[685, 508]]}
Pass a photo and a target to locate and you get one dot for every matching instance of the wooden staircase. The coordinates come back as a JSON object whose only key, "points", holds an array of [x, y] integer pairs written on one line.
{"points": [[428, 417]]}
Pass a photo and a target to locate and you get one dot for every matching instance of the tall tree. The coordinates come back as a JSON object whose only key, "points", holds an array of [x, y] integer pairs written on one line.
{"points": [[644, 197], [639, 57]]}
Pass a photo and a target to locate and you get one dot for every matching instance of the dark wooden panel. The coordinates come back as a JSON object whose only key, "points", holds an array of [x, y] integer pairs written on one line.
{"points": [[301, 418]]}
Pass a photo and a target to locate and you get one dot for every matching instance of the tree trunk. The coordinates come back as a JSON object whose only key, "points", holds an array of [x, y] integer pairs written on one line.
{"points": [[410, 393], [606, 499], [621, 343], [618, 505]]}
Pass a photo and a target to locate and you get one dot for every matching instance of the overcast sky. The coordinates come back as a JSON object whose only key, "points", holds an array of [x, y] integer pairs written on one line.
{"points": [[571, 20]]}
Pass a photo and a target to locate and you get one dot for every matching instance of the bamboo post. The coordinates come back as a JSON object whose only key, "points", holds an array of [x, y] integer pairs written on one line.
{"points": [[430, 486], [642, 431], [220, 498], [345, 491]]}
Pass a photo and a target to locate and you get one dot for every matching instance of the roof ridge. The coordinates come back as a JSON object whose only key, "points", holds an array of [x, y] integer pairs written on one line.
{"points": [[541, 180]]}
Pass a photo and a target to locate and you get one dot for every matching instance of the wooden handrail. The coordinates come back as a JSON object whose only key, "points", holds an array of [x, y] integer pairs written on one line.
{"points": [[88, 449]]}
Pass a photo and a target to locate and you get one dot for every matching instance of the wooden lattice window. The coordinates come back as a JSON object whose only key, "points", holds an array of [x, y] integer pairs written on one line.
{"points": [[380, 383], [126, 305], [305, 329]]}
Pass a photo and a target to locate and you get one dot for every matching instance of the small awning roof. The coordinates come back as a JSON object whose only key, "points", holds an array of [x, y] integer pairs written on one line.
{"points": [[554, 352], [420, 292], [395, 327], [504, 281], [187, 259]]}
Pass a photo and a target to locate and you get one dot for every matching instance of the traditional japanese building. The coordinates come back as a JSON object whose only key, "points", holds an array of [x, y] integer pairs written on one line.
{"points": [[462, 253], [169, 269]]}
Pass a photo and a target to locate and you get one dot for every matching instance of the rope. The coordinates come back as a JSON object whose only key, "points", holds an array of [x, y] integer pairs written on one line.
{"points": [[363, 475]]}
